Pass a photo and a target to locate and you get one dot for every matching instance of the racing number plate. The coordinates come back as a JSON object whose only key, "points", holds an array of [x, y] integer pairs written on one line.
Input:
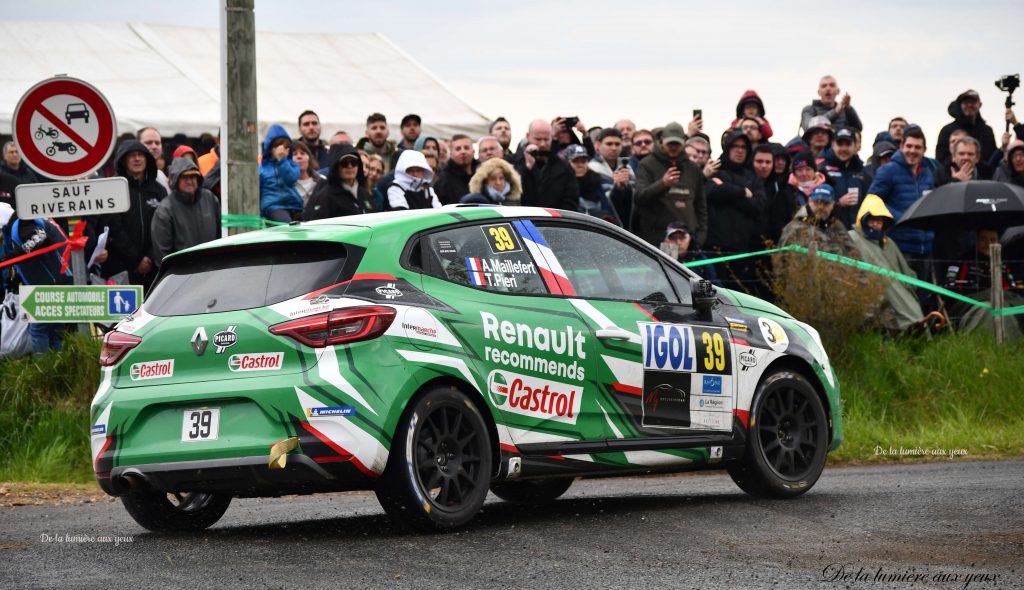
{"points": [[200, 424]]}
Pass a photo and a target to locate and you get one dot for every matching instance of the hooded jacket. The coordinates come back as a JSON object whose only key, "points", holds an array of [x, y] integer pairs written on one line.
{"points": [[409, 192], [978, 130], [1005, 172], [751, 96], [130, 239], [183, 219], [478, 184], [900, 307], [655, 206], [734, 219], [898, 187], [331, 198], [278, 177], [844, 177], [780, 200]]}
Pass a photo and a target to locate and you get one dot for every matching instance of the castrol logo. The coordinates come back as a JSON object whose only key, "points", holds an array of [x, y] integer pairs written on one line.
{"points": [[152, 370], [258, 361], [534, 397]]}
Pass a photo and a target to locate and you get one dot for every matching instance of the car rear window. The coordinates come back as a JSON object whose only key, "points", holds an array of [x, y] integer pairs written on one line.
{"points": [[231, 279]]}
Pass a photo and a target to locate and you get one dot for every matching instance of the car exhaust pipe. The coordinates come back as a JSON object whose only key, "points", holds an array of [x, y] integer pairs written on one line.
{"points": [[129, 482]]}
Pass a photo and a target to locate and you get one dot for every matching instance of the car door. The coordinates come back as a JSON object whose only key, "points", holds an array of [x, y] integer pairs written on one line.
{"points": [[661, 372], [534, 355]]}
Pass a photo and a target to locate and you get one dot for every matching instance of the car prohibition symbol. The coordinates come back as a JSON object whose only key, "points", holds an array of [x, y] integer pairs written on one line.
{"points": [[432, 356]]}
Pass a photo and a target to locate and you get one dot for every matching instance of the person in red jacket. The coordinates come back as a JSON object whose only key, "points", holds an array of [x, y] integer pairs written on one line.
{"points": [[750, 105]]}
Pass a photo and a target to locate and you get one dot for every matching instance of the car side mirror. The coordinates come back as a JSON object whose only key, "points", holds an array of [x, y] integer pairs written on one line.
{"points": [[704, 298]]}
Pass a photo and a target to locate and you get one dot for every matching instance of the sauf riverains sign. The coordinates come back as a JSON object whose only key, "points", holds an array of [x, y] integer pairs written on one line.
{"points": [[64, 199]]}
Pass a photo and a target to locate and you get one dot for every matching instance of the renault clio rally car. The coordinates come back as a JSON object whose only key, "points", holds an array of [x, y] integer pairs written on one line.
{"points": [[433, 355]]}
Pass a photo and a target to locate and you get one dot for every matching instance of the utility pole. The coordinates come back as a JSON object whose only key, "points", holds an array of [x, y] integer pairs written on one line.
{"points": [[240, 180]]}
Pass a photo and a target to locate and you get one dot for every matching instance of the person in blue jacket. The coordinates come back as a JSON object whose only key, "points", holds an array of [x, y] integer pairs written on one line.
{"points": [[900, 183], [279, 201]]}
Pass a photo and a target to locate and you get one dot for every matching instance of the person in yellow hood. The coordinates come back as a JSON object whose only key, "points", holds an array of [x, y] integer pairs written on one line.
{"points": [[900, 307]]}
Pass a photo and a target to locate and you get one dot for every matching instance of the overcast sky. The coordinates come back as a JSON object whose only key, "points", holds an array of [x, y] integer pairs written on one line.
{"points": [[655, 61]]}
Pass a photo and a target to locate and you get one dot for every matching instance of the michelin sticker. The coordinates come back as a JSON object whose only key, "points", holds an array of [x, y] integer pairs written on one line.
{"points": [[774, 334]]}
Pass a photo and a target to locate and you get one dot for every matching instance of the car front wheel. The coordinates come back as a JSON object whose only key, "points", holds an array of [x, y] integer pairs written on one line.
{"points": [[440, 463], [786, 441]]}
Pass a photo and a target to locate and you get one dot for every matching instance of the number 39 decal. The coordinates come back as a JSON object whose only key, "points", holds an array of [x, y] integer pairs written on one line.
{"points": [[714, 346], [501, 239]]}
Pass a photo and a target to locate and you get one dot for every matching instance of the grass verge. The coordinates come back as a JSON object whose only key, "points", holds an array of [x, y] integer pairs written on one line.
{"points": [[955, 395]]}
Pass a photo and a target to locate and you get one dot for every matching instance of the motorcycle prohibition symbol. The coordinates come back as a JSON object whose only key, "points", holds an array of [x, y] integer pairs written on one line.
{"points": [[51, 132], [64, 146]]}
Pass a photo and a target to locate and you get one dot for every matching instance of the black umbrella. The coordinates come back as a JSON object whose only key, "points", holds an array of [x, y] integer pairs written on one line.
{"points": [[975, 204]]}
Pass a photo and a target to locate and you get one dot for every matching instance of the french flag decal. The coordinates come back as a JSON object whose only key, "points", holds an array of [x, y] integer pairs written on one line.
{"points": [[550, 270], [476, 273]]}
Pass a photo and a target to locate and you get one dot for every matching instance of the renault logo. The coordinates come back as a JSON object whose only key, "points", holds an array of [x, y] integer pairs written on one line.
{"points": [[199, 341]]}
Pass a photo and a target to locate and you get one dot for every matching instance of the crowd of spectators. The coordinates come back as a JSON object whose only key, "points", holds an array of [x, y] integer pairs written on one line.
{"points": [[666, 185]]}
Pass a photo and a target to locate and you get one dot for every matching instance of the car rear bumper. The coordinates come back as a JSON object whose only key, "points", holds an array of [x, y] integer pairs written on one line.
{"points": [[242, 476]]}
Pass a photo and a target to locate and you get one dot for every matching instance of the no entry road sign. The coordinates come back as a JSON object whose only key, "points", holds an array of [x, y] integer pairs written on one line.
{"points": [[64, 128], [67, 303]]}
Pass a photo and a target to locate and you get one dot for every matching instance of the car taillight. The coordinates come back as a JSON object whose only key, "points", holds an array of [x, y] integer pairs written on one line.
{"points": [[115, 346], [342, 326]]}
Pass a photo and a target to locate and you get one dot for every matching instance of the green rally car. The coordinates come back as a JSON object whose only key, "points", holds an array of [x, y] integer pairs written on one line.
{"points": [[433, 355]]}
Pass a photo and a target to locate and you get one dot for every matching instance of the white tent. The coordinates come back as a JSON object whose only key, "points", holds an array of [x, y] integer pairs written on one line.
{"points": [[169, 77]]}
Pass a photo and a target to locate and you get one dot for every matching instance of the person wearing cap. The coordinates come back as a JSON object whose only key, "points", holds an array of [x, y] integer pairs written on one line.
{"points": [[816, 225], [593, 200], [343, 192], [1012, 168], [453, 181], [617, 178], [376, 140], [189, 216], [309, 134], [750, 105], [966, 112], [410, 131], [736, 203], [678, 243], [548, 180], [845, 172], [838, 112], [669, 187], [805, 177], [900, 307], [818, 136]]}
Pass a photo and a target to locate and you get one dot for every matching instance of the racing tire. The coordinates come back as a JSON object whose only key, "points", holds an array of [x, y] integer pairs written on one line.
{"points": [[532, 491], [189, 511], [439, 468], [786, 441]]}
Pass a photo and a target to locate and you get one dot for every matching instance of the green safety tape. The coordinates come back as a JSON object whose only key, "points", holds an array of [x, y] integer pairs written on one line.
{"points": [[869, 268]]}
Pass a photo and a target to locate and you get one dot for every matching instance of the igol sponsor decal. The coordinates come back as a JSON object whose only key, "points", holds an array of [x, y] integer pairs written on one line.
{"points": [[152, 370], [99, 429], [568, 342], [256, 361], [330, 411], [711, 384], [667, 347], [534, 397]]}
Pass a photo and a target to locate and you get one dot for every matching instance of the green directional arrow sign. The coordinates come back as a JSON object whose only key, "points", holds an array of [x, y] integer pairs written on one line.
{"points": [[73, 303]]}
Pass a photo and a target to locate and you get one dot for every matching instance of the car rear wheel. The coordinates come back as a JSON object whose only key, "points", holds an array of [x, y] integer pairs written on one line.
{"points": [[187, 511], [786, 441], [440, 463], [532, 491]]}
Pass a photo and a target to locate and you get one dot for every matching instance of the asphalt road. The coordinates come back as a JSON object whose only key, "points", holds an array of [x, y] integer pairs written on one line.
{"points": [[910, 524]]}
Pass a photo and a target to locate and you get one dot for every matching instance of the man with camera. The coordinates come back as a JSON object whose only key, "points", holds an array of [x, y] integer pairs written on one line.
{"points": [[617, 177], [548, 181], [966, 113]]}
